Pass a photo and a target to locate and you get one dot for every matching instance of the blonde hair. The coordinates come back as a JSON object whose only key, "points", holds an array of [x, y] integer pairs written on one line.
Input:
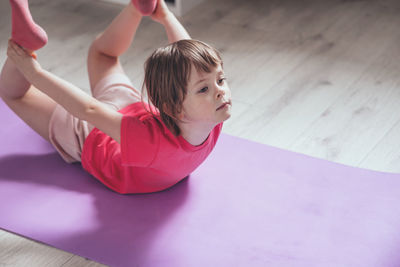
{"points": [[167, 72]]}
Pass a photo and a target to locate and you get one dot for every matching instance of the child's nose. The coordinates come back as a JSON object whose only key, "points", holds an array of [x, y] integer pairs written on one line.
{"points": [[220, 92]]}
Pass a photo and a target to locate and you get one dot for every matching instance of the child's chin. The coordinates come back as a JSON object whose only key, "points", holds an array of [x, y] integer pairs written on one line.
{"points": [[227, 117]]}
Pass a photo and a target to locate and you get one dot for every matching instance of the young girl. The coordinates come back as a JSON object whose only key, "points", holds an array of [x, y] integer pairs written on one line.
{"points": [[130, 145]]}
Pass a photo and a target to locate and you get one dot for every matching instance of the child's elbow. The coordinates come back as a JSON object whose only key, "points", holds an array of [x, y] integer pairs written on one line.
{"points": [[91, 109]]}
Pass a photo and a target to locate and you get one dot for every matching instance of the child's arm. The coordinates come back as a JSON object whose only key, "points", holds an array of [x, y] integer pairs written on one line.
{"points": [[73, 99], [174, 29]]}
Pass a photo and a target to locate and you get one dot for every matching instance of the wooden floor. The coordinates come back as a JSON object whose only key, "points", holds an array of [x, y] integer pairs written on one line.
{"points": [[320, 77]]}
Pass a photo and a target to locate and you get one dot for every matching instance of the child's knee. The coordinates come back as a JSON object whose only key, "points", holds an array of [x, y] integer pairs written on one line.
{"points": [[96, 50], [7, 92], [11, 96]]}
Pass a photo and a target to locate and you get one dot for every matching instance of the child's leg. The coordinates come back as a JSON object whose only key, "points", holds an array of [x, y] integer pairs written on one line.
{"points": [[26, 33], [31, 105], [174, 29], [12, 83], [109, 45]]}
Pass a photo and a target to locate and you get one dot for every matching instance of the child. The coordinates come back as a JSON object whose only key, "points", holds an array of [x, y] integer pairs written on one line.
{"points": [[130, 145]]}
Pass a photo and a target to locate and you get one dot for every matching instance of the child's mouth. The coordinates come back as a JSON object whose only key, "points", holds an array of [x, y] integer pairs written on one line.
{"points": [[224, 105]]}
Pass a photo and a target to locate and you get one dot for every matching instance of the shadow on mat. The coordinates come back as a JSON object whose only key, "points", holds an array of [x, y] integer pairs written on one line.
{"points": [[123, 228]]}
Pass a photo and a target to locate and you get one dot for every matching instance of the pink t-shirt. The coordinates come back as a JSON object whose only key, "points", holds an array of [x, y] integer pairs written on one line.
{"points": [[149, 159]]}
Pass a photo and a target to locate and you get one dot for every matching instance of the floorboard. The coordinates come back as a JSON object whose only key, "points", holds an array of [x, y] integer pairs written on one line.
{"points": [[319, 77]]}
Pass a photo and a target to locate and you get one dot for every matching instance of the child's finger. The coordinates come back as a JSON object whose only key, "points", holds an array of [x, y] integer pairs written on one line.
{"points": [[18, 49], [15, 49], [10, 49], [10, 45], [13, 46]]}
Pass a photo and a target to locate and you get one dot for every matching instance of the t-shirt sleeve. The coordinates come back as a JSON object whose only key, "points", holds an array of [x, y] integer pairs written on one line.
{"points": [[139, 141]]}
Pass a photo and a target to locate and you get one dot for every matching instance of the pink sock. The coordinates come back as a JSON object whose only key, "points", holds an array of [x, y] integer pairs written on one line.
{"points": [[25, 31], [146, 7]]}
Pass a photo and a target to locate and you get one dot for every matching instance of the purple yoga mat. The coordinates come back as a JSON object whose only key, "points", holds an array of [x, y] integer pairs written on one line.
{"points": [[247, 205]]}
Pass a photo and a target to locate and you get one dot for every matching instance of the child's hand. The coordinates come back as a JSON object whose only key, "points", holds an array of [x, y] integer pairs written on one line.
{"points": [[23, 59], [161, 12]]}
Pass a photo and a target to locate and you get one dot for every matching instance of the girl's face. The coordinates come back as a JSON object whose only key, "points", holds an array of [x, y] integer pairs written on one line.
{"points": [[208, 99]]}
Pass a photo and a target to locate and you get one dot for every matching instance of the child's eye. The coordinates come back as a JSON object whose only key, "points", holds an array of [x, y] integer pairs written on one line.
{"points": [[203, 90], [221, 81]]}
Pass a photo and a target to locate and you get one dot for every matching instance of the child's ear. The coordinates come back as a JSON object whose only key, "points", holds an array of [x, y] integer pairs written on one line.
{"points": [[167, 110], [181, 115]]}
